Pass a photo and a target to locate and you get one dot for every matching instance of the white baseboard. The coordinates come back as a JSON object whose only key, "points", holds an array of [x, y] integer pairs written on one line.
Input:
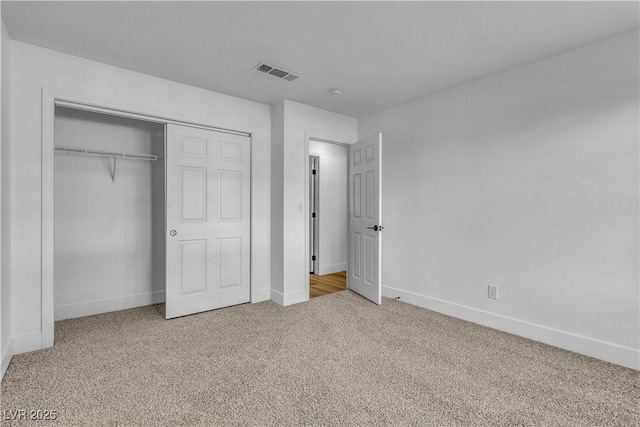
{"points": [[27, 342], [332, 268], [277, 297], [69, 311], [259, 295], [7, 355], [289, 298], [602, 350], [296, 297]]}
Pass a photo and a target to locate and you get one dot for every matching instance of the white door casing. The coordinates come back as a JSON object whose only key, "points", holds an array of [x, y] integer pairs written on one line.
{"points": [[208, 220], [365, 218], [314, 213]]}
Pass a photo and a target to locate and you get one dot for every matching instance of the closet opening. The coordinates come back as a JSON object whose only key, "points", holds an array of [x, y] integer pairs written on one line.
{"points": [[109, 213], [328, 217], [140, 209]]}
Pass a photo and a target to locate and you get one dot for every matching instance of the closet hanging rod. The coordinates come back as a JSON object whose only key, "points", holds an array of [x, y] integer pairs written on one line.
{"points": [[112, 154]]}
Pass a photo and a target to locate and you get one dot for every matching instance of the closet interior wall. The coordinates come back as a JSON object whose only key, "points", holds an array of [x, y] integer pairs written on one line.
{"points": [[109, 232]]}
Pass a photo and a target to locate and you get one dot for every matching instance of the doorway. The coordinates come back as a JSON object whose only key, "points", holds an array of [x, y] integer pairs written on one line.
{"points": [[328, 217]]}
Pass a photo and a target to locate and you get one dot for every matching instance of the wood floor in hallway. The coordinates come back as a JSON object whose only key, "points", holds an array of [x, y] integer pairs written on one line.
{"points": [[327, 284]]}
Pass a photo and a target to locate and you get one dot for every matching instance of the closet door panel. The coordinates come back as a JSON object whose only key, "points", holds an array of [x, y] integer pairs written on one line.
{"points": [[193, 194], [230, 190], [193, 257], [194, 147], [230, 252], [208, 220]]}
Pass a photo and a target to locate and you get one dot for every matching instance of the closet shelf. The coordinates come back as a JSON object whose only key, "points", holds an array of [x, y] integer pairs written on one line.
{"points": [[109, 154]]}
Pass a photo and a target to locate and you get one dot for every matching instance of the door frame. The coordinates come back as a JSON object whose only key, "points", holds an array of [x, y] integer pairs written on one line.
{"points": [[313, 232], [52, 98], [307, 207]]}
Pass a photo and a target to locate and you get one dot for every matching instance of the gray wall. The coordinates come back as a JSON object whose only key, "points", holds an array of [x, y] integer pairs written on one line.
{"points": [[5, 218], [527, 180], [277, 189]]}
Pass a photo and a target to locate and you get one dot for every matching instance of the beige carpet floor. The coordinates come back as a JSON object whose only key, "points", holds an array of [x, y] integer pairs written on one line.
{"points": [[335, 360]]}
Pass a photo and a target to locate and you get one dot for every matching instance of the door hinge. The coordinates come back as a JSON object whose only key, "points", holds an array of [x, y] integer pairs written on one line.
{"points": [[313, 257], [313, 172], [313, 214]]}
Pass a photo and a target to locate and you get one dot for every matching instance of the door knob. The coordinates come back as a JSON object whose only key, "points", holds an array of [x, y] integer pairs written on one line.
{"points": [[375, 228], [173, 232]]}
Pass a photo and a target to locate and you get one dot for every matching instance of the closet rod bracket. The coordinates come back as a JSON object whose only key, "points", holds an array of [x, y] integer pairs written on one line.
{"points": [[113, 172]]}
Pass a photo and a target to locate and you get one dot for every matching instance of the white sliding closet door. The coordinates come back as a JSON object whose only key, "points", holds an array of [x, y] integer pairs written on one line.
{"points": [[208, 220]]}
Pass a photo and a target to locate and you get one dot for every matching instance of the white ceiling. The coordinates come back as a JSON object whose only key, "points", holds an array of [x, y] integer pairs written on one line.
{"points": [[381, 53]]}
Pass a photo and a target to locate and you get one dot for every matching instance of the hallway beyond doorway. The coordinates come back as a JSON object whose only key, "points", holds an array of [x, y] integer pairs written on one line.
{"points": [[327, 284]]}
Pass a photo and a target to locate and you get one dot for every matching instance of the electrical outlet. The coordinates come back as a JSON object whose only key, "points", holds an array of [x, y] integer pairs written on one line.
{"points": [[493, 292]]}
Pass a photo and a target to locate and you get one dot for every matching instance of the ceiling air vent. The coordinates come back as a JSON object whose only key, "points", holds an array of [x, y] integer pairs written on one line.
{"points": [[278, 72]]}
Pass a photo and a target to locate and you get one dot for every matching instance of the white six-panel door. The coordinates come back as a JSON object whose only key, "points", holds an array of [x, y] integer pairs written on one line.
{"points": [[365, 218], [208, 220]]}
